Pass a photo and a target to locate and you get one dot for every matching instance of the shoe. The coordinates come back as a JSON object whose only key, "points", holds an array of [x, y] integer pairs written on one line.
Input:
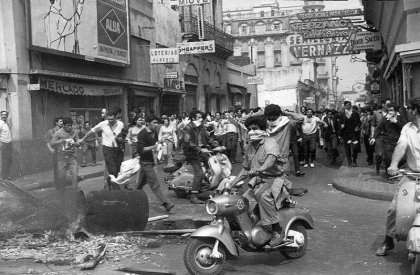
{"points": [[93, 164], [354, 163], [306, 165], [301, 162], [83, 165], [312, 165], [168, 206], [385, 247], [276, 239], [299, 174], [196, 200]]}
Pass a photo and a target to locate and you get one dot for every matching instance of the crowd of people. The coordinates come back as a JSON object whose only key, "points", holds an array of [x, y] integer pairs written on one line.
{"points": [[261, 139]]}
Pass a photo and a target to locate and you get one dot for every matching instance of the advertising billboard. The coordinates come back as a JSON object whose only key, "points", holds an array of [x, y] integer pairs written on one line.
{"points": [[95, 30]]}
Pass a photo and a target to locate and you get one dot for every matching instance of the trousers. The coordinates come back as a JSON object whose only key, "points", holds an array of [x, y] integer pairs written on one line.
{"points": [[6, 159], [147, 175]]}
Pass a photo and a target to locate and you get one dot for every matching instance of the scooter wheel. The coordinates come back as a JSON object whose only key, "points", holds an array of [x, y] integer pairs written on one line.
{"points": [[294, 253], [415, 266], [197, 258]]}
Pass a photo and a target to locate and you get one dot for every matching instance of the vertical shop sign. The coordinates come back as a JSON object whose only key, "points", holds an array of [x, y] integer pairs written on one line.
{"points": [[200, 22]]}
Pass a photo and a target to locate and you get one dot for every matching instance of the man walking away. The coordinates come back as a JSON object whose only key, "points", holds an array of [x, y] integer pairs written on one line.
{"points": [[366, 134], [113, 154], [89, 144], [147, 143], [58, 124], [331, 136], [232, 136], [5, 146], [65, 141], [350, 125]]}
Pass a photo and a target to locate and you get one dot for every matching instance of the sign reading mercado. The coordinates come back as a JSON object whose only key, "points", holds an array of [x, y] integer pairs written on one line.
{"points": [[329, 14], [164, 56], [298, 26], [320, 50], [93, 30], [197, 47]]}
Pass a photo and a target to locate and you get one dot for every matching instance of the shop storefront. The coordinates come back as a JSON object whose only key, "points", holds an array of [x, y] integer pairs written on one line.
{"points": [[237, 96], [69, 97]]}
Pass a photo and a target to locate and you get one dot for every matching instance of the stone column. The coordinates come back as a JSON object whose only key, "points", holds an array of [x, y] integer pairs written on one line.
{"points": [[269, 54], [285, 55]]}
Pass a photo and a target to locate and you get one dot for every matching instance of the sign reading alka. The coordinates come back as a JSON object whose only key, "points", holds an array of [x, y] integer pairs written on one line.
{"points": [[197, 47], [320, 50], [328, 14], [298, 26]]}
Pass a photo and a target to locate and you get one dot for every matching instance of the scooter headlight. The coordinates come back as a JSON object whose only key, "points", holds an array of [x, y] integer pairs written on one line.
{"points": [[418, 194], [211, 207]]}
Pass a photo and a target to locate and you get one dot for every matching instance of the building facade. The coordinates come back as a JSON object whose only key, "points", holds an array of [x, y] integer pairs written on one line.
{"points": [[262, 34], [397, 66], [81, 57]]}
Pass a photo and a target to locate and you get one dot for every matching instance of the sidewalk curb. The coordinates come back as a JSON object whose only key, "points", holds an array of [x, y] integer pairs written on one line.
{"points": [[49, 184], [362, 192]]}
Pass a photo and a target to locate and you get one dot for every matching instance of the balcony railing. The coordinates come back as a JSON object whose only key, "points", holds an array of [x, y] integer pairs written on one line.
{"points": [[221, 38]]}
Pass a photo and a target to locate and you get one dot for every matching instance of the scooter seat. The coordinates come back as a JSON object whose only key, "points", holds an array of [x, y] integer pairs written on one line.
{"points": [[298, 192]]}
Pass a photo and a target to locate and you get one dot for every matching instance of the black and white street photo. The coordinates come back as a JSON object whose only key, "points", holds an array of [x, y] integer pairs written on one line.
{"points": [[210, 137]]}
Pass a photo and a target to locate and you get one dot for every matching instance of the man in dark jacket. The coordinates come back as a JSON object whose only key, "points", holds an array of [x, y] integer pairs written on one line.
{"points": [[350, 126], [389, 130], [331, 135], [195, 139]]}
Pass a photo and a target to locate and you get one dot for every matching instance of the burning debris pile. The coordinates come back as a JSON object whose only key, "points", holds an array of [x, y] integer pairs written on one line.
{"points": [[51, 248]]}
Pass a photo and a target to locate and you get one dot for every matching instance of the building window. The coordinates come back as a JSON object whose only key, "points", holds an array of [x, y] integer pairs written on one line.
{"points": [[277, 58], [277, 26], [261, 13], [261, 60], [273, 12], [243, 30]]}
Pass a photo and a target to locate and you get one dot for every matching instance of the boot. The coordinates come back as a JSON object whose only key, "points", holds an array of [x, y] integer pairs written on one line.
{"points": [[168, 206], [385, 247], [278, 235], [195, 200]]}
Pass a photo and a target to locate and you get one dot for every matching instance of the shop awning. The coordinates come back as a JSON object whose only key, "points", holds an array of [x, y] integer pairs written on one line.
{"points": [[75, 88], [174, 91], [235, 90]]}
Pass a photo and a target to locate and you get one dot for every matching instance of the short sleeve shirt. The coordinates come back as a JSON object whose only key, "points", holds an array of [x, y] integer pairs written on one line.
{"points": [[255, 156], [109, 133], [309, 126], [411, 135]]}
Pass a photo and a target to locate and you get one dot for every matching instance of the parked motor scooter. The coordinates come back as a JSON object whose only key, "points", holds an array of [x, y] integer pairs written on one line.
{"points": [[219, 172], [236, 228], [407, 224]]}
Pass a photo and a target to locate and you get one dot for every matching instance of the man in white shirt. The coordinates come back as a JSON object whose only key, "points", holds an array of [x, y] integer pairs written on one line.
{"points": [[5, 147], [309, 128], [113, 154], [408, 144]]}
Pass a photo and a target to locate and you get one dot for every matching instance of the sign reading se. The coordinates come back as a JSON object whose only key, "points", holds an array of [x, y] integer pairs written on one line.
{"points": [[321, 50]]}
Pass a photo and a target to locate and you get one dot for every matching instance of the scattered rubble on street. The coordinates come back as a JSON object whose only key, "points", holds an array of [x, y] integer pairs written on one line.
{"points": [[56, 249]]}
